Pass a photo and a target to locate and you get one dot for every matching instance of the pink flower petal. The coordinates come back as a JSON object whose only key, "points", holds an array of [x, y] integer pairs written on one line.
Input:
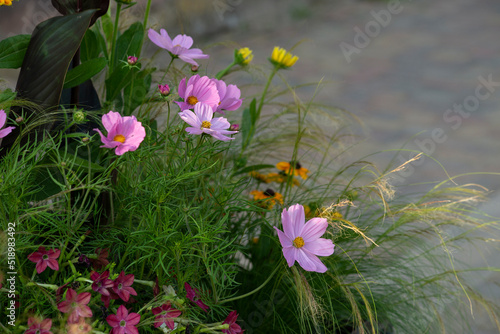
{"points": [[110, 119], [290, 254], [297, 218], [190, 118], [133, 319], [306, 260], [314, 229], [41, 266], [113, 320], [320, 247], [284, 240]]}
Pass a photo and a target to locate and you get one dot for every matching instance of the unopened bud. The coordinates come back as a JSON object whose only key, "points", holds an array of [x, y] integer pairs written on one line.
{"points": [[194, 68], [85, 139], [164, 90], [131, 60], [79, 116], [20, 119], [234, 127]]}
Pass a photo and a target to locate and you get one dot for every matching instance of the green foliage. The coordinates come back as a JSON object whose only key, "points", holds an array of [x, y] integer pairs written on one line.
{"points": [[12, 50]]}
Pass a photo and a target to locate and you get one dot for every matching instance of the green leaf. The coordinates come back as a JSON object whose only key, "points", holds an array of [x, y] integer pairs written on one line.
{"points": [[12, 51], [7, 95], [84, 72], [135, 93], [67, 7], [249, 118], [52, 46], [116, 82], [129, 43], [90, 47]]}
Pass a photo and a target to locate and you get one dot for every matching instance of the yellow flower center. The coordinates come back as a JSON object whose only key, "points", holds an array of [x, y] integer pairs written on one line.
{"points": [[192, 100], [298, 242], [206, 125], [176, 45], [119, 138]]}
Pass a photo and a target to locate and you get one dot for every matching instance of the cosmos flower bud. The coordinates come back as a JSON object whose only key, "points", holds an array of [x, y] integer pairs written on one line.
{"points": [[79, 116], [132, 60], [234, 127], [195, 68], [164, 89]]}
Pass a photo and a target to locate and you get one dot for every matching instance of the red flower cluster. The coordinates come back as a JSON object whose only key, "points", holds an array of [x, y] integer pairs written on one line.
{"points": [[121, 287]]}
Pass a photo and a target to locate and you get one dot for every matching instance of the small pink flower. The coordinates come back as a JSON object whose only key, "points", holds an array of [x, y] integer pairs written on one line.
{"points": [[229, 96], [124, 133], [123, 322], [192, 295], [82, 327], [165, 314], [197, 90], [180, 46], [131, 60], [101, 282], [202, 121], [122, 286], [44, 258], [301, 241], [39, 327], [234, 328], [3, 120], [164, 90], [76, 305]]}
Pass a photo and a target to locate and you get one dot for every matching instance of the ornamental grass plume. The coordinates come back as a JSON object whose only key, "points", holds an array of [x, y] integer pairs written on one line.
{"points": [[44, 258], [3, 120], [179, 47], [301, 241], [198, 89], [202, 121], [124, 133]]}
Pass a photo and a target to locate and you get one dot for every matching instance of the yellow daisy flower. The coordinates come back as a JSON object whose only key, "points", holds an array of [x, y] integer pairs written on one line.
{"points": [[5, 2], [268, 197], [258, 176], [244, 56], [280, 57], [296, 170]]}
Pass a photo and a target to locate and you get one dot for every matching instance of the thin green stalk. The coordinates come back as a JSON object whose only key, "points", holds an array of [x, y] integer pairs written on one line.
{"points": [[253, 291], [224, 71], [264, 93], [115, 33], [168, 67], [144, 24]]}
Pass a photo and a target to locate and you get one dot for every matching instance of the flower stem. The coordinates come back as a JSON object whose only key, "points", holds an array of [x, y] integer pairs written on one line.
{"points": [[264, 93], [166, 71], [224, 71], [253, 291], [115, 33]]}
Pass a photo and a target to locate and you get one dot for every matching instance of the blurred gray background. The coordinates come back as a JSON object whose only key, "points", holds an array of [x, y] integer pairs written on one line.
{"points": [[421, 73]]}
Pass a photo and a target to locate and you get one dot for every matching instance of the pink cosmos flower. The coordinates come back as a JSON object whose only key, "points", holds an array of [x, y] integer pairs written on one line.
{"points": [[76, 305], [3, 119], [124, 133], [192, 295], [123, 322], [101, 282], [165, 314], [234, 328], [180, 46], [44, 258], [202, 121], [198, 90], [36, 327], [301, 241], [229, 96], [122, 286]]}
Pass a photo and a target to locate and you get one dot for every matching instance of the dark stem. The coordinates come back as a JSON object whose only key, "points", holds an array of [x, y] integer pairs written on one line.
{"points": [[75, 91]]}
